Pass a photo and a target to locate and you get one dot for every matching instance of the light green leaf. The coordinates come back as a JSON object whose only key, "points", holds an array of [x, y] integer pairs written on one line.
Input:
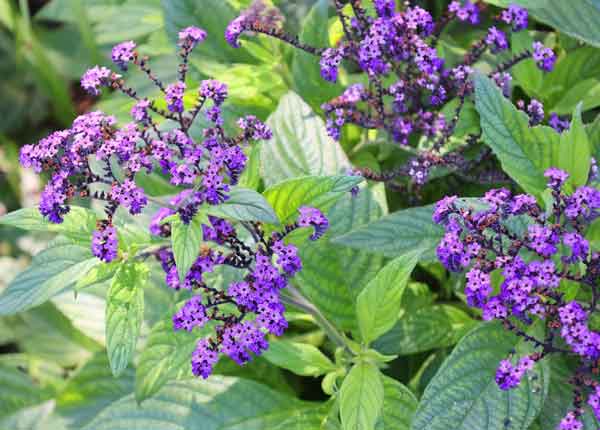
{"points": [[525, 152], [53, 270], [464, 395], [378, 304], [212, 404], [397, 234], [300, 145], [87, 313], [305, 417], [165, 357], [124, 314], [361, 397], [399, 405], [315, 191], [245, 205], [299, 358], [186, 240], [427, 328], [18, 391], [574, 151], [78, 223]]}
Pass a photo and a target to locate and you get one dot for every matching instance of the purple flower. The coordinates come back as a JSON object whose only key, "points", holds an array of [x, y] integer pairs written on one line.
{"points": [[139, 111], [570, 422], [557, 123], [254, 129], [497, 40], [544, 57], [204, 358], [94, 78], [385, 8], [443, 208], [174, 96], [313, 217], [556, 177], [105, 243], [330, 62], [535, 110], [130, 196], [466, 12], [287, 257], [189, 37], [192, 314], [214, 90], [123, 54], [234, 30], [517, 16]]}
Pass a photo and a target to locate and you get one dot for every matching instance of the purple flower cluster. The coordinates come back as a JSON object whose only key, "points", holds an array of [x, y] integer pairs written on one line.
{"points": [[207, 169], [408, 82], [247, 310], [532, 264]]}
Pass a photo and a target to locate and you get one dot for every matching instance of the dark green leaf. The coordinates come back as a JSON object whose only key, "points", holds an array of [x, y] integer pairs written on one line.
{"points": [[464, 395], [186, 240], [399, 405], [397, 234]]}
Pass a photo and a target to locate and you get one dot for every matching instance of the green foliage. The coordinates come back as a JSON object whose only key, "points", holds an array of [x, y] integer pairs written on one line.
{"points": [[299, 358], [186, 240], [361, 397]]}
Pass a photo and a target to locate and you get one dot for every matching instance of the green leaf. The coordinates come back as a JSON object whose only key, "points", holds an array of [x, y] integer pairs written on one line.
{"points": [[245, 205], [464, 395], [18, 391], [186, 240], [306, 417], [53, 270], [571, 81], [426, 328], [560, 396], [332, 276], [378, 304], [91, 389], [86, 311], [399, 405], [78, 224], [397, 233], [210, 15], [315, 191], [361, 397], [300, 145], [525, 152], [574, 151], [305, 67], [299, 358], [124, 314], [212, 404], [165, 357]]}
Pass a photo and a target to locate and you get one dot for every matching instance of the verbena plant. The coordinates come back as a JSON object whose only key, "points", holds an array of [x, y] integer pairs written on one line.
{"points": [[222, 240]]}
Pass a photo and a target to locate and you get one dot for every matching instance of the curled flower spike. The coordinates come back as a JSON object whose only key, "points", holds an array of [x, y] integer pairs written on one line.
{"points": [[95, 78], [532, 264], [544, 57], [123, 54], [313, 217], [189, 37]]}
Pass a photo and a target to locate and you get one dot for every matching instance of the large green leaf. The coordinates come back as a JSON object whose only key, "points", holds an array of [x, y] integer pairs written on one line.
{"points": [[332, 276], [397, 234], [399, 405], [427, 328], [53, 270], [86, 311], [211, 15], [208, 404], [361, 397], [526, 152], [245, 205], [574, 151], [315, 191], [299, 358], [464, 395], [378, 304], [560, 396], [300, 145], [186, 240], [18, 390], [305, 417], [124, 314], [165, 357], [78, 223], [305, 67]]}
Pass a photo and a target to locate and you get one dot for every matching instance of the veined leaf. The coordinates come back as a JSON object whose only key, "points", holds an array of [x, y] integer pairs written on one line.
{"points": [[245, 205], [361, 397], [299, 358], [124, 314], [186, 240]]}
